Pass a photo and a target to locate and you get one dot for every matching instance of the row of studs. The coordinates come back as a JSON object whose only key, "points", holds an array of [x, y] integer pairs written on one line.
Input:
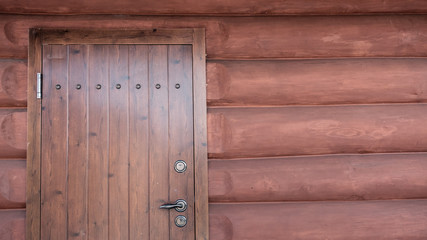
{"points": [[118, 86]]}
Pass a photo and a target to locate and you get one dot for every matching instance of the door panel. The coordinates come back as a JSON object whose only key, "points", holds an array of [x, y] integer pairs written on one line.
{"points": [[111, 134], [118, 190], [139, 139], [158, 140], [54, 144], [98, 145], [181, 132], [77, 142]]}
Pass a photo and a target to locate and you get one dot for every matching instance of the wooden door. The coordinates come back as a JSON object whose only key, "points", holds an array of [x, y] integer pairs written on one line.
{"points": [[115, 119]]}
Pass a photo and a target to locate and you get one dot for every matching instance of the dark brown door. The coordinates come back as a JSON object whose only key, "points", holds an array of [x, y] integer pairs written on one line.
{"points": [[115, 119]]}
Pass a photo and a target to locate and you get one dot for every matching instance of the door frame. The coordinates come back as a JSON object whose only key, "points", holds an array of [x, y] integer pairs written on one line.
{"points": [[193, 36]]}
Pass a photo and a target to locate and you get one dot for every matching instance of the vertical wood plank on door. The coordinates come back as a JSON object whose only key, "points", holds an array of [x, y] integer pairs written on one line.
{"points": [[54, 144], [118, 174], [181, 185], [138, 140], [158, 141], [98, 143], [77, 142]]}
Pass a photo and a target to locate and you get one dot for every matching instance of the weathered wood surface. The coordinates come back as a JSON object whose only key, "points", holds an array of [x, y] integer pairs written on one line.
{"points": [[181, 134], [201, 204], [12, 224], [309, 130], [213, 7], [13, 83], [54, 147], [278, 131], [347, 81], [78, 151], [401, 219], [12, 184], [13, 133], [251, 37], [314, 178], [149, 36], [232, 83], [34, 140]]}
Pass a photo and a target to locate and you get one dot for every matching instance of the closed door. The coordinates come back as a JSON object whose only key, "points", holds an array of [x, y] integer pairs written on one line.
{"points": [[117, 142]]}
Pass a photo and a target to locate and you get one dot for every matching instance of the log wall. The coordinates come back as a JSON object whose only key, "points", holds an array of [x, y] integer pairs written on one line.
{"points": [[315, 123]]}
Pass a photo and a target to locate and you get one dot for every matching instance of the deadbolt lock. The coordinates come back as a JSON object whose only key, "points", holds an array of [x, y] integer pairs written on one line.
{"points": [[180, 221], [180, 166]]}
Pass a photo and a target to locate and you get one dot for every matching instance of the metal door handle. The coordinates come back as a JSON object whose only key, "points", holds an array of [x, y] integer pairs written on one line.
{"points": [[180, 205]]}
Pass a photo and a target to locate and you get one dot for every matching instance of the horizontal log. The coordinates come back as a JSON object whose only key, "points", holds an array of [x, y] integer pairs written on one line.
{"points": [[232, 83], [12, 184], [13, 83], [310, 130], [343, 81], [13, 133], [254, 37], [344, 177], [213, 7], [12, 224], [404, 219], [314, 178]]}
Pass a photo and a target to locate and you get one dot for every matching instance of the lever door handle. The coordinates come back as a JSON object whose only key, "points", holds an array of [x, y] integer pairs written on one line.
{"points": [[180, 205]]}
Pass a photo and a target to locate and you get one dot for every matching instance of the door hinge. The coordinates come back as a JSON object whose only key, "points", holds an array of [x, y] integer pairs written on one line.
{"points": [[39, 85]]}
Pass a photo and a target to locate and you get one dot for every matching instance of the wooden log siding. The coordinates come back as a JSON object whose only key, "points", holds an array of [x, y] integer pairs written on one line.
{"points": [[401, 219], [13, 133], [319, 82], [12, 224], [288, 82], [259, 185], [255, 38], [314, 178], [319, 178], [12, 184], [13, 83], [214, 7], [311, 130]]}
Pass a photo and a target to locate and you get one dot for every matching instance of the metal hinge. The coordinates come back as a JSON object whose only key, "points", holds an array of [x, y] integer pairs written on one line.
{"points": [[39, 85]]}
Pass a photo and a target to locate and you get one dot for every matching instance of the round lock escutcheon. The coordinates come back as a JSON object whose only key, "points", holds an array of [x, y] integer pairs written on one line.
{"points": [[180, 166], [180, 221]]}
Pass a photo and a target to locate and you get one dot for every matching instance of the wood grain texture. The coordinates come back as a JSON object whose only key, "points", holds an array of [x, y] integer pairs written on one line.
{"points": [[249, 38], [77, 188], [12, 224], [13, 133], [54, 152], [151, 36], [309, 130], [138, 138], [314, 178], [12, 184], [343, 81], [158, 141], [181, 135], [213, 7], [118, 170], [13, 87], [33, 197], [200, 135], [400, 219], [319, 178], [98, 142]]}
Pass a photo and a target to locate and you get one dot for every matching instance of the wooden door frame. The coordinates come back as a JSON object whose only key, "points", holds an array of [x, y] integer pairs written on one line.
{"points": [[193, 36]]}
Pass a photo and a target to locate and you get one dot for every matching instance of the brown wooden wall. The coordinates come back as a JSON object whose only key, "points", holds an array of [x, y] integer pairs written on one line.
{"points": [[316, 124]]}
